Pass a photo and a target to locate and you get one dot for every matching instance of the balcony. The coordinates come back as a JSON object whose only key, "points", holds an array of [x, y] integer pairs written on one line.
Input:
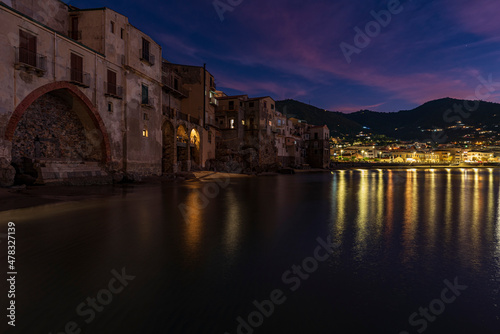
{"points": [[147, 57], [75, 35], [194, 120], [173, 86], [182, 116], [214, 101], [166, 111], [113, 90], [147, 102], [30, 61], [79, 78]]}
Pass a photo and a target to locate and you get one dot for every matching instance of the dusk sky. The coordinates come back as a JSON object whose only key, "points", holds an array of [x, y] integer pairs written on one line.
{"points": [[291, 49]]}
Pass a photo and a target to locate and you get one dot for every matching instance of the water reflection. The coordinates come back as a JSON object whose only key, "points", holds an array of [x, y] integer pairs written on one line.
{"points": [[193, 212], [410, 221], [232, 231]]}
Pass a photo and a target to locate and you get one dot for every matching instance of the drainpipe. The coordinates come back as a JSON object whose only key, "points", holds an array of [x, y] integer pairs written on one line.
{"points": [[55, 54], [204, 93]]}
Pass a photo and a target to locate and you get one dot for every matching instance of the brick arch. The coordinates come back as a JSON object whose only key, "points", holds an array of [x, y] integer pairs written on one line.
{"points": [[76, 93]]}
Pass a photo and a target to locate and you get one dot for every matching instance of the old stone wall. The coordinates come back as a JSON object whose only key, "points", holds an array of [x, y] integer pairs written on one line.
{"points": [[49, 129]]}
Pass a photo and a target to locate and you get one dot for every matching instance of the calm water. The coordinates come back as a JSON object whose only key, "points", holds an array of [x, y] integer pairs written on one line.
{"points": [[199, 267]]}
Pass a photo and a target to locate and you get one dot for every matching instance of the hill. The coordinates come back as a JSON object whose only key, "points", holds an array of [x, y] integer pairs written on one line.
{"points": [[449, 114], [338, 124]]}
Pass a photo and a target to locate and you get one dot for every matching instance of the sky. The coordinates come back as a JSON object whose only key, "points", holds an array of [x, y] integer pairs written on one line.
{"points": [[334, 55]]}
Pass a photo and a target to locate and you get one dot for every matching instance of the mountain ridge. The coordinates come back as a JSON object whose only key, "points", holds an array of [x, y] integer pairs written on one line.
{"points": [[444, 113]]}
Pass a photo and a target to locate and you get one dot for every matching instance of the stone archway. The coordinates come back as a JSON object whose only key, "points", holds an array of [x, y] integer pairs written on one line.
{"points": [[87, 113], [56, 133], [168, 147], [195, 148]]}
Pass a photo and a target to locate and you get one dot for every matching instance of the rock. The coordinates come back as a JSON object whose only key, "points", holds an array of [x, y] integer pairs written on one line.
{"points": [[7, 173], [118, 177], [131, 178]]}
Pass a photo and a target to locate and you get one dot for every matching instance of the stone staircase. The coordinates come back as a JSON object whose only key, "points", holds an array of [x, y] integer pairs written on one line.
{"points": [[57, 171]]}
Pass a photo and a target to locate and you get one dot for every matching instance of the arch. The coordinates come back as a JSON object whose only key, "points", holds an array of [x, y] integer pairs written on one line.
{"points": [[195, 146], [76, 93], [182, 134]]}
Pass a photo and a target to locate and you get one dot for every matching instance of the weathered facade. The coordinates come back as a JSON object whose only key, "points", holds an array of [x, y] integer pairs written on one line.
{"points": [[87, 88], [318, 146], [201, 106]]}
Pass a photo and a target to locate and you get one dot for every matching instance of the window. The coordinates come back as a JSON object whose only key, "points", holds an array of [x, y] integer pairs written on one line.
{"points": [[27, 48], [242, 122], [74, 33], [265, 104], [111, 85], [231, 122], [122, 32], [272, 106], [316, 135], [146, 117], [112, 27], [145, 94], [145, 49], [110, 107], [210, 136], [145, 132], [231, 105], [251, 104], [76, 68]]}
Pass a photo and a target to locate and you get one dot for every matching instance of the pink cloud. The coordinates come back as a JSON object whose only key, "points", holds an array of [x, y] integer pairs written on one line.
{"points": [[479, 17]]}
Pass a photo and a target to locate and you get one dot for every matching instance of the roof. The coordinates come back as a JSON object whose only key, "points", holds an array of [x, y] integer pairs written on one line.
{"points": [[231, 97], [195, 66]]}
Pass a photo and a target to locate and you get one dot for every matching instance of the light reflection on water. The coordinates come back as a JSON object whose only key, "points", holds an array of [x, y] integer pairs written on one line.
{"points": [[402, 232]]}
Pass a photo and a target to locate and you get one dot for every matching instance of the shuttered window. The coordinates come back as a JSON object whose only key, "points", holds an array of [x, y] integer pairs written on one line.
{"points": [[76, 68], [111, 89], [74, 33], [145, 94], [27, 48], [145, 49]]}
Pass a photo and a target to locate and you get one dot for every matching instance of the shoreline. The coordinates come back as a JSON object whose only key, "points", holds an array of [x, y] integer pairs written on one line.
{"points": [[22, 197]]}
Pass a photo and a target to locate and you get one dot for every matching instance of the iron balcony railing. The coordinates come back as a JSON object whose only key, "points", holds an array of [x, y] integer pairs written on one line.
{"points": [[79, 77], [148, 102], [29, 58], [113, 90], [148, 57], [182, 116], [166, 111], [75, 34], [168, 80]]}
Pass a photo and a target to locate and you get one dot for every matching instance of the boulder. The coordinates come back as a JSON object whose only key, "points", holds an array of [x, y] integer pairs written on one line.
{"points": [[7, 173]]}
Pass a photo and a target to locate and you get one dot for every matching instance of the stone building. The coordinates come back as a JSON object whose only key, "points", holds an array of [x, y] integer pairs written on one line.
{"points": [[230, 118], [260, 129], [86, 93], [200, 107], [318, 147], [182, 128]]}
